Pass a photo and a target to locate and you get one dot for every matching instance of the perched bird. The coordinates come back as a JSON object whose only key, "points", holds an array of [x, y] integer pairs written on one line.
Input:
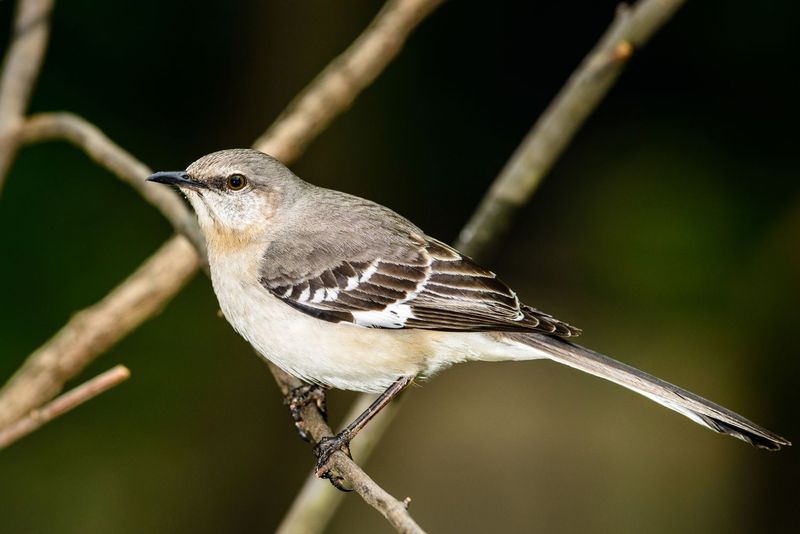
{"points": [[344, 293]]}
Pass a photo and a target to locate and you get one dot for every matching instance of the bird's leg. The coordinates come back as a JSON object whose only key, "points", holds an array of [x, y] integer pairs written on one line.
{"points": [[341, 441], [302, 396]]}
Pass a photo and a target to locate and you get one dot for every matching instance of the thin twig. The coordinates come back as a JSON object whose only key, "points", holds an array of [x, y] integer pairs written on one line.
{"points": [[316, 504], [395, 511], [88, 137], [66, 402], [19, 72], [336, 87], [94, 329], [584, 90], [511, 189]]}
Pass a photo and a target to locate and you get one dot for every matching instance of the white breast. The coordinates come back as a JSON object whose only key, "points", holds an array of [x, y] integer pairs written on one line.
{"points": [[339, 355]]}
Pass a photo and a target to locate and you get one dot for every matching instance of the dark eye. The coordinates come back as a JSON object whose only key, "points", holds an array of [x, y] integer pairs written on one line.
{"points": [[236, 182]]}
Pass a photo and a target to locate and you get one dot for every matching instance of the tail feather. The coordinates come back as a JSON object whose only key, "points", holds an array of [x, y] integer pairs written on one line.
{"points": [[696, 408]]}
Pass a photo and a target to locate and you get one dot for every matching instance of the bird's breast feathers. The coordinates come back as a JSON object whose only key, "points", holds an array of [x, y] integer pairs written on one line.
{"points": [[337, 354], [312, 349]]}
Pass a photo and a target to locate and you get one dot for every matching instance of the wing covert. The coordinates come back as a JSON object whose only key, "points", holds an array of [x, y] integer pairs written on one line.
{"points": [[433, 287]]}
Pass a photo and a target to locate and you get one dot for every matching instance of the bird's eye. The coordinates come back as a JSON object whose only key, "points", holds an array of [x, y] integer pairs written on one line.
{"points": [[236, 182]]}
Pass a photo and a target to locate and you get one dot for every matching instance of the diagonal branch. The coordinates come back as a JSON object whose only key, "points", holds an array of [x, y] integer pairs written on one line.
{"points": [[316, 504], [338, 85], [19, 72], [583, 92], [93, 330], [66, 402], [314, 425], [511, 190], [88, 137]]}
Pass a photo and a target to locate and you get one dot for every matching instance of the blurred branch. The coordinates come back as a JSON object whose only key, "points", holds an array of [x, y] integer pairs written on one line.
{"points": [[87, 137], [337, 86], [632, 27], [512, 189], [66, 402], [93, 330], [19, 72]]}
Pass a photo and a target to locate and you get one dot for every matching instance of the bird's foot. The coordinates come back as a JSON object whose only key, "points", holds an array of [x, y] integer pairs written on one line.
{"points": [[323, 451], [299, 398]]}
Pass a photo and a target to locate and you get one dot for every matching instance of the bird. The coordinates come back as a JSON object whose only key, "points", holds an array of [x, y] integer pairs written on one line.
{"points": [[342, 292]]}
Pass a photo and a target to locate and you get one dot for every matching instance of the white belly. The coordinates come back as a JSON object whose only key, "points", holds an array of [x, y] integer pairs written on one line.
{"points": [[331, 354], [338, 355]]}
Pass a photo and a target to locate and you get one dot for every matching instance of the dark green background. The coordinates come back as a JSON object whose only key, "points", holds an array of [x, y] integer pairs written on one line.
{"points": [[668, 231]]}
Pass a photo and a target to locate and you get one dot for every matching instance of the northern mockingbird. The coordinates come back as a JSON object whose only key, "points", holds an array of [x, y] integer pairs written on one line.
{"points": [[342, 292]]}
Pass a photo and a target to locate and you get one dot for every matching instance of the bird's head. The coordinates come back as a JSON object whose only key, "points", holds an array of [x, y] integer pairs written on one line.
{"points": [[235, 193]]}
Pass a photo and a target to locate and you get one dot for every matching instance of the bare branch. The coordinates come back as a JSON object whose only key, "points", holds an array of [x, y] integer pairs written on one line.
{"points": [[93, 330], [316, 504], [89, 138], [66, 402], [584, 90], [19, 72], [395, 511], [336, 87]]}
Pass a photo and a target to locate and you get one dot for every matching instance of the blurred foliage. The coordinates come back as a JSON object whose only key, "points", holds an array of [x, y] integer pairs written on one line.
{"points": [[668, 231]]}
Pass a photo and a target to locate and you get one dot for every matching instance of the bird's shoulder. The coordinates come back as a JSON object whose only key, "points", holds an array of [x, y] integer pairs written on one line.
{"points": [[330, 227]]}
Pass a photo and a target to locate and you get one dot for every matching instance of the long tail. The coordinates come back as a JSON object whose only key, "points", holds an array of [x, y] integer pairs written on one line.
{"points": [[694, 407]]}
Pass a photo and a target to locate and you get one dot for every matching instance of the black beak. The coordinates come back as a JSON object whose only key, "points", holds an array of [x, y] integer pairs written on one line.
{"points": [[179, 178]]}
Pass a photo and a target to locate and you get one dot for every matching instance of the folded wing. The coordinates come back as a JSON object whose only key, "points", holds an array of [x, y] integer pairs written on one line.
{"points": [[433, 287]]}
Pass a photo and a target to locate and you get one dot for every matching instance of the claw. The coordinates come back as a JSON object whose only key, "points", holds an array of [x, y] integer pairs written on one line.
{"points": [[335, 480], [323, 451], [299, 398], [327, 446]]}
